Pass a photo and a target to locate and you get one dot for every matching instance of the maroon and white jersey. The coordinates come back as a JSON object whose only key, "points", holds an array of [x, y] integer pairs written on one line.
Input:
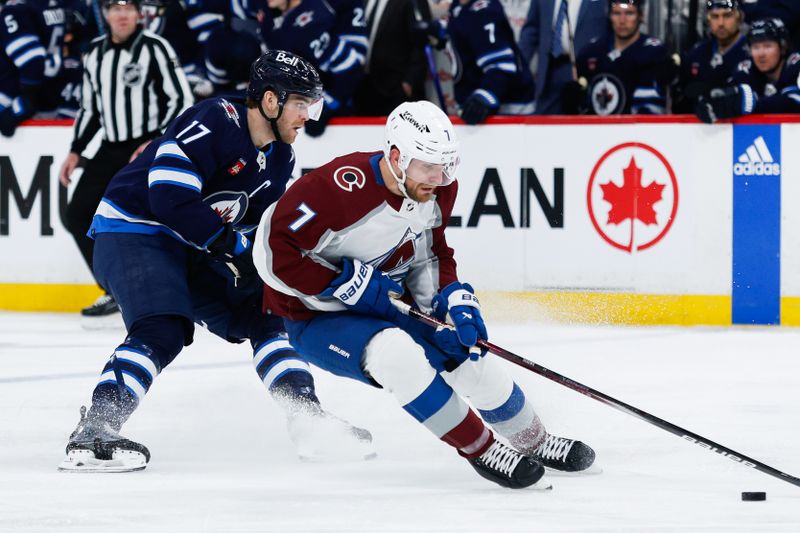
{"points": [[344, 210]]}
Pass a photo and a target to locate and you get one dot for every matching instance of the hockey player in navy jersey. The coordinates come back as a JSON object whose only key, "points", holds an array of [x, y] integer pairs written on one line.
{"points": [[629, 72], [172, 246], [767, 83], [31, 40], [492, 78], [712, 61], [332, 34], [368, 226]]}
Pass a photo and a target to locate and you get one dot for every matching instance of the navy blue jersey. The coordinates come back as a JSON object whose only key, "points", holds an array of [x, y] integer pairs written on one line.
{"points": [[633, 80], [704, 68], [781, 96], [332, 35], [488, 58], [31, 41], [202, 173], [68, 85]]}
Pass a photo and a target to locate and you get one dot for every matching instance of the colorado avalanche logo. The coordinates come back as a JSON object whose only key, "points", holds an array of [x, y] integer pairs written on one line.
{"points": [[607, 95], [229, 205], [397, 261], [348, 177]]}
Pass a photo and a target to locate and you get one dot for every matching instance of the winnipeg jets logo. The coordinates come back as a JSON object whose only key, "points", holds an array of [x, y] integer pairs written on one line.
{"points": [[229, 205], [304, 18], [716, 60], [397, 261], [349, 177]]}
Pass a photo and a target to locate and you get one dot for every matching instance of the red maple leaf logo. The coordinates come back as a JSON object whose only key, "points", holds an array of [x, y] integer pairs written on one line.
{"points": [[632, 201]]}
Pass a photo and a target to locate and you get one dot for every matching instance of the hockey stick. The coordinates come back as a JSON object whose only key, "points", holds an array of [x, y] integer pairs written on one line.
{"points": [[611, 402]]}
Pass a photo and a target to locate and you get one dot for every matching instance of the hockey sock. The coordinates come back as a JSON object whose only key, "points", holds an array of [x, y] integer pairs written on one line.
{"points": [[285, 374], [516, 420], [397, 363], [127, 376]]}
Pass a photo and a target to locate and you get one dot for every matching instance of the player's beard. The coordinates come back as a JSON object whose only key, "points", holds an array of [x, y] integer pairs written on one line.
{"points": [[416, 193]]}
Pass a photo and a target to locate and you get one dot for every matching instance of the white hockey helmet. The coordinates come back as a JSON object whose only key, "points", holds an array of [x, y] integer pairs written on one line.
{"points": [[422, 131]]}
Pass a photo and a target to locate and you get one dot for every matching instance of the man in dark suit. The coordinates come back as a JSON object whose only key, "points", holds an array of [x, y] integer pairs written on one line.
{"points": [[396, 61], [546, 34]]}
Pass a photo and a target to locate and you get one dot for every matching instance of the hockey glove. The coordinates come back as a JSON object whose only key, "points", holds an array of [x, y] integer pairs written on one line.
{"points": [[316, 128], [727, 102], [479, 105], [8, 122], [459, 301], [365, 290], [235, 249], [446, 339]]}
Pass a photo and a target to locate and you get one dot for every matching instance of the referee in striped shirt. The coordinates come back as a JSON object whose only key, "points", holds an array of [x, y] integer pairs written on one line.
{"points": [[133, 86]]}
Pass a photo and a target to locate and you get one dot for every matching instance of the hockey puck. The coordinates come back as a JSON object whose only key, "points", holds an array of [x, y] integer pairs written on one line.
{"points": [[754, 496]]}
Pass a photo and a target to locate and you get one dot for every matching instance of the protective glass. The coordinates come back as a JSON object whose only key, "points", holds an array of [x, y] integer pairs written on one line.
{"points": [[431, 173], [313, 109]]}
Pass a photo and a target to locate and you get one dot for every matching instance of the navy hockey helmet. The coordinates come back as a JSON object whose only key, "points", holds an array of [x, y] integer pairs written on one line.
{"points": [[109, 3], [722, 4], [769, 29], [283, 73], [638, 3]]}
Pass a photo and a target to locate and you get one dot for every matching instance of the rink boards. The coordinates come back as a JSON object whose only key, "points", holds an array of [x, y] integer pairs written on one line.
{"points": [[609, 220]]}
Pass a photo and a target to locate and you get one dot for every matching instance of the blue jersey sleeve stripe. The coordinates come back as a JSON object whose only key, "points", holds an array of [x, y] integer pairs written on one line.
{"points": [[24, 59], [171, 148], [505, 67], [494, 55], [353, 59], [20, 42], [160, 175], [334, 56]]}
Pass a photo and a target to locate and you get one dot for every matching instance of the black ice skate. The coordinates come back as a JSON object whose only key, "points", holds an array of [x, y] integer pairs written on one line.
{"points": [[564, 455], [320, 436], [95, 446], [103, 306], [507, 467]]}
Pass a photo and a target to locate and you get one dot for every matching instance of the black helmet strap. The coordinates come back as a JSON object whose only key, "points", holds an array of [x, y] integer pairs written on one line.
{"points": [[273, 122]]}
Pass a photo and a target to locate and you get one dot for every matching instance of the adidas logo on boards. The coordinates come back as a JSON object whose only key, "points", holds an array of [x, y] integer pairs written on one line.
{"points": [[757, 161]]}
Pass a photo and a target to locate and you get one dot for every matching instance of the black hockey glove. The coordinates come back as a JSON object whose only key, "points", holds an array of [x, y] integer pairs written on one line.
{"points": [[475, 109], [728, 102], [8, 122], [316, 128], [234, 249], [433, 30], [573, 98]]}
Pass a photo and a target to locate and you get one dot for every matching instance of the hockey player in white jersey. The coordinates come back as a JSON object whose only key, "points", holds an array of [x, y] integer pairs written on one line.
{"points": [[350, 235]]}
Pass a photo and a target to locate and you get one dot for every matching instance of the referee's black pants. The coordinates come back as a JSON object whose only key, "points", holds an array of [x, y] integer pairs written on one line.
{"points": [[97, 173]]}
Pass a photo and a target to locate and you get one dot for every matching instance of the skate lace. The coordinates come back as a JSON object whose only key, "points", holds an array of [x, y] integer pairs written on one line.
{"points": [[501, 458], [102, 300], [555, 448]]}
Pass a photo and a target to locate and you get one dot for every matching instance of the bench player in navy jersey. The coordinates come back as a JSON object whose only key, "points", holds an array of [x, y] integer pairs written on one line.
{"points": [[332, 34], [31, 41], [368, 225], [712, 61], [492, 77], [629, 72], [767, 83], [172, 246]]}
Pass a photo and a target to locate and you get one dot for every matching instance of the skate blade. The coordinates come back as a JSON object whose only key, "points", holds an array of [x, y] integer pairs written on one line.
{"points": [[107, 322], [542, 485], [593, 470], [313, 457], [84, 461]]}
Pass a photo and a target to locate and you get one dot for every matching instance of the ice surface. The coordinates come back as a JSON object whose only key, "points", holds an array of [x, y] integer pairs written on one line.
{"points": [[222, 460]]}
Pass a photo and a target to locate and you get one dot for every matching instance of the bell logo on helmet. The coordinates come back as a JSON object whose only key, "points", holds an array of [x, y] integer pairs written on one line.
{"points": [[283, 57], [406, 115]]}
